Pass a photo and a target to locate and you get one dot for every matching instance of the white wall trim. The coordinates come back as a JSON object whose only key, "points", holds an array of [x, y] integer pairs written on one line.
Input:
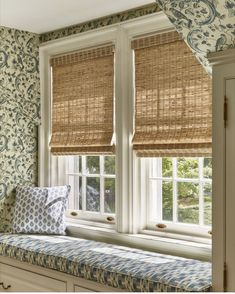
{"points": [[223, 69], [159, 18], [221, 57]]}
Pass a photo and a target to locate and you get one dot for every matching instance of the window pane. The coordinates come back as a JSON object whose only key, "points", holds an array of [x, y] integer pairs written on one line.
{"points": [[167, 201], [167, 167], [187, 168], [188, 203], [207, 168], [93, 194], [93, 164], [207, 192], [109, 165], [109, 195]]}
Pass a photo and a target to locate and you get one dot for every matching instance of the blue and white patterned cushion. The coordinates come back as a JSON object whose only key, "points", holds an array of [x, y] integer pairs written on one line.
{"points": [[40, 210], [116, 266]]}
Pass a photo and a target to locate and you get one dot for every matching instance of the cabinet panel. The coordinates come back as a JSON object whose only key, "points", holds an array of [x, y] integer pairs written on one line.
{"points": [[81, 289], [24, 281], [230, 177], [82, 285]]}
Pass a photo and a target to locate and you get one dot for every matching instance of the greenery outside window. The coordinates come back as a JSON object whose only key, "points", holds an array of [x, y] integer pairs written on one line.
{"points": [[180, 192]]}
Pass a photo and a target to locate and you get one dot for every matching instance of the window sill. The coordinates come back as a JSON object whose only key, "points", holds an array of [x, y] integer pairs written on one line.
{"points": [[145, 241], [179, 236]]}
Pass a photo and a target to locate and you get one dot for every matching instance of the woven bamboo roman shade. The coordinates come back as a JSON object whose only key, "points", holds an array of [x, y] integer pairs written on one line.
{"points": [[83, 102], [173, 109]]}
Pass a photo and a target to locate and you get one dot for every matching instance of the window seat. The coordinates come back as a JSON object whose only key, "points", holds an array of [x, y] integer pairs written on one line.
{"points": [[120, 267]]}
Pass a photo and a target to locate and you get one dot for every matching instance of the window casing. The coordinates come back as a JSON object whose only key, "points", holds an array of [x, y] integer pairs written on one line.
{"points": [[131, 173]]}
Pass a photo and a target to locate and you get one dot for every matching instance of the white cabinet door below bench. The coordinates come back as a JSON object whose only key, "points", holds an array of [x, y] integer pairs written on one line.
{"points": [[19, 280]]}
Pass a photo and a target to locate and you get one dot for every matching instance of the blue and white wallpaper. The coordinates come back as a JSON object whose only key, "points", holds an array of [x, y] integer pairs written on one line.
{"points": [[19, 115], [205, 25]]}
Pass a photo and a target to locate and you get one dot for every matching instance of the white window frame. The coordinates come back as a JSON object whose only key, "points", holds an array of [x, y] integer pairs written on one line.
{"points": [[130, 195]]}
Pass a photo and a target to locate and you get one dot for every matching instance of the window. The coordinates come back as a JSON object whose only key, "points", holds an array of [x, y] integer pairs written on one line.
{"points": [[173, 122], [92, 180], [172, 186], [180, 193]]}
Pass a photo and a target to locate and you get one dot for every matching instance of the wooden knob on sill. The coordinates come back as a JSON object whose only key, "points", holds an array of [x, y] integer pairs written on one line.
{"points": [[73, 213], [161, 226], [110, 219]]}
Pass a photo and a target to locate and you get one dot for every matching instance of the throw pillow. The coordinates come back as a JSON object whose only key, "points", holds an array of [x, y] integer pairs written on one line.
{"points": [[40, 210]]}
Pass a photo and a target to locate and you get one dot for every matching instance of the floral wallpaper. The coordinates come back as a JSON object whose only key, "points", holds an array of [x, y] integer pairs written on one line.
{"points": [[19, 115], [205, 25], [101, 22]]}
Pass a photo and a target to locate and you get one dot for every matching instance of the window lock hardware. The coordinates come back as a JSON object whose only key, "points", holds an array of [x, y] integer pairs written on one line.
{"points": [[161, 226], [110, 219], [73, 213], [5, 287], [210, 232]]}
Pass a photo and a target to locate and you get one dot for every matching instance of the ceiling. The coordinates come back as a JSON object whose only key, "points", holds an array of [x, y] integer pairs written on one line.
{"points": [[40, 16]]}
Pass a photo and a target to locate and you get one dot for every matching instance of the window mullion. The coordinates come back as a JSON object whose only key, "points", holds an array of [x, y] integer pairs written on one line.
{"points": [[124, 117], [76, 192], [158, 172], [70, 181], [83, 183], [175, 196], [201, 200], [102, 188]]}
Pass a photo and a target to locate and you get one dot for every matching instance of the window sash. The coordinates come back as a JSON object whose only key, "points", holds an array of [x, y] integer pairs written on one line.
{"points": [[83, 213], [154, 204]]}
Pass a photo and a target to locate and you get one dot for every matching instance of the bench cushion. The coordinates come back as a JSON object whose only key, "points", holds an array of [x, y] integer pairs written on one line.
{"points": [[116, 266]]}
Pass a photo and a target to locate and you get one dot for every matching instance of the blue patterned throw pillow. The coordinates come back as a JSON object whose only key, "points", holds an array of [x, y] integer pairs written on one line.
{"points": [[40, 210]]}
